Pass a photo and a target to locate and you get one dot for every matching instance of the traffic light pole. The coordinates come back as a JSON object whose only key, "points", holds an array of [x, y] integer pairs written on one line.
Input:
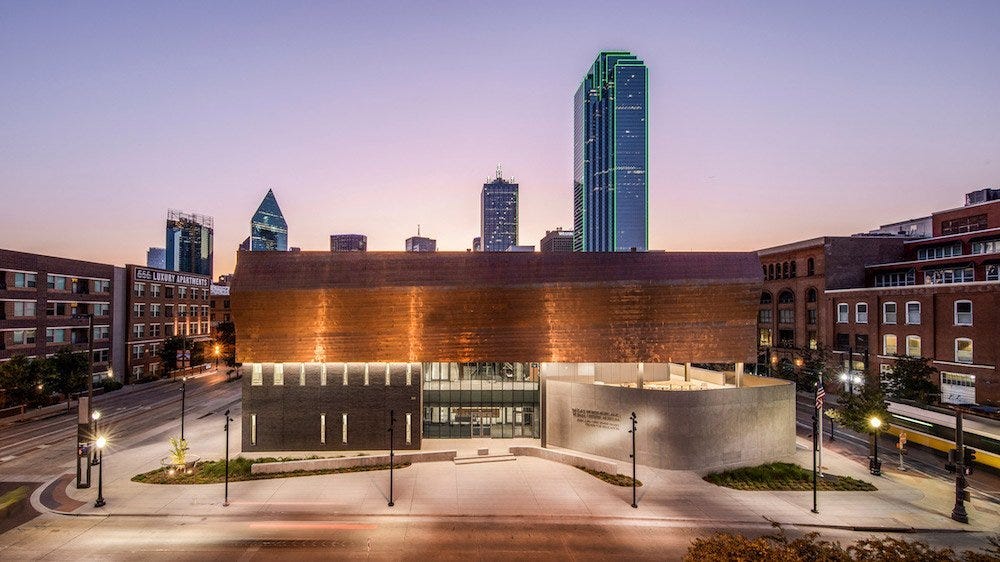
{"points": [[958, 513]]}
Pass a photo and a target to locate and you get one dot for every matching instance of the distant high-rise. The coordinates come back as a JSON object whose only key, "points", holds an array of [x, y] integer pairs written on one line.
{"points": [[557, 240], [610, 162], [419, 243], [498, 219], [268, 229], [156, 257], [348, 243], [477, 244], [189, 242]]}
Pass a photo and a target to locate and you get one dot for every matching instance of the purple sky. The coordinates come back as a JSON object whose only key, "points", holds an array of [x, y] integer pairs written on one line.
{"points": [[768, 124]]}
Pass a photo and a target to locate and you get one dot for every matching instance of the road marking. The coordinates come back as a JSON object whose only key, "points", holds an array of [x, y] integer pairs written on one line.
{"points": [[42, 446], [8, 458]]}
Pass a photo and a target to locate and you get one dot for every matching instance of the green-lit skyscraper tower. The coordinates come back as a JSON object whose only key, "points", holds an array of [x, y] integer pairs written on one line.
{"points": [[610, 159]]}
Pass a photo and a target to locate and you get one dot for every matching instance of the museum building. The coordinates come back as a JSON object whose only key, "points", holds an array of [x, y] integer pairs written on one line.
{"points": [[558, 347]]}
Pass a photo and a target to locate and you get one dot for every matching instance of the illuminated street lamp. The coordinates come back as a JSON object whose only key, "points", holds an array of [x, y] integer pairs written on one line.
{"points": [[218, 351], [96, 416], [101, 443], [875, 466]]}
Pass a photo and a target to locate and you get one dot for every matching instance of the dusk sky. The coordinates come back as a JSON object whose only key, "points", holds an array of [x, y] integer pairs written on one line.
{"points": [[770, 122]]}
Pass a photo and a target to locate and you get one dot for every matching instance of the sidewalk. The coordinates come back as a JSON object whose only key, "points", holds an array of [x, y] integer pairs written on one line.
{"points": [[524, 487]]}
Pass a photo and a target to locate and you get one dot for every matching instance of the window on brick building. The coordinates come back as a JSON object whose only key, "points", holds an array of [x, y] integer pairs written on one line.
{"points": [[963, 313], [913, 346], [888, 313], [810, 267], [861, 313], [963, 350], [889, 344], [843, 313]]}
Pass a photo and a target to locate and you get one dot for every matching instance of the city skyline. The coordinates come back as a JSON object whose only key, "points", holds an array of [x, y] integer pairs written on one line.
{"points": [[753, 114]]}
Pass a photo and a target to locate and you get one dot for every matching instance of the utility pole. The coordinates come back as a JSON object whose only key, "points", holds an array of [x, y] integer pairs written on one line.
{"points": [[225, 502], [634, 504], [392, 450], [958, 513]]}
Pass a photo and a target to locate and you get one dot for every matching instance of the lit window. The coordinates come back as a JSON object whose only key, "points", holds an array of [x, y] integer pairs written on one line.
{"points": [[322, 374], [963, 350], [889, 344], [408, 429], [765, 338], [256, 374], [253, 429], [963, 313], [913, 346], [409, 374], [366, 374], [387, 365], [279, 374], [343, 428], [322, 428]]}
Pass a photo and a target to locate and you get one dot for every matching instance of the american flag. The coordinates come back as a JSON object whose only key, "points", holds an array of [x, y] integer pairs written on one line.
{"points": [[820, 393]]}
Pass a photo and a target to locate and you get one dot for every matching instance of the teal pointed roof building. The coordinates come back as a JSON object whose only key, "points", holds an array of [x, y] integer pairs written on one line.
{"points": [[268, 229]]}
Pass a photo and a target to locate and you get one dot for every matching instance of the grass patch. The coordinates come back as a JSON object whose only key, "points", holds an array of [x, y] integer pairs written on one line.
{"points": [[783, 476], [214, 472], [615, 479]]}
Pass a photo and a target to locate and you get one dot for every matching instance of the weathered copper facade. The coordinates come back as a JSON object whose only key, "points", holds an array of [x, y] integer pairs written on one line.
{"points": [[571, 307]]}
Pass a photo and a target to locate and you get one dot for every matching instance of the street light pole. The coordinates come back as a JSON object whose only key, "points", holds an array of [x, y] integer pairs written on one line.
{"points": [[875, 466], [96, 416], [634, 504], [183, 403], [958, 513], [101, 442], [225, 502], [815, 436], [84, 437], [392, 451]]}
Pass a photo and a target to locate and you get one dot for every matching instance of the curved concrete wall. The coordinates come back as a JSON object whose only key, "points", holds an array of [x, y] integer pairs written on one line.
{"points": [[700, 430]]}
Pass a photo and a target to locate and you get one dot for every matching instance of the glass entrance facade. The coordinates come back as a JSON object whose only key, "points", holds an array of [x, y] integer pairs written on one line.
{"points": [[466, 400]]}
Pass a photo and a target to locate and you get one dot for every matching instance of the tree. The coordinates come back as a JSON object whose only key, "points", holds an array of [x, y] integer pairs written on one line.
{"points": [[855, 411], [168, 353], [225, 338], [22, 380], [910, 379], [67, 373]]}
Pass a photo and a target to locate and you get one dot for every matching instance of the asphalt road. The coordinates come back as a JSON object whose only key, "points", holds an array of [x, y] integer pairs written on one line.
{"points": [[381, 538], [39, 449], [983, 484]]}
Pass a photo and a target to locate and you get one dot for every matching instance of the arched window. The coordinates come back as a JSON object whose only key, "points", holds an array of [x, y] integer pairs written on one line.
{"points": [[784, 270], [963, 350], [963, 313], [765, 298], [786, 297], [792, 269], [811, 294], [770, 271], [810, 267]]}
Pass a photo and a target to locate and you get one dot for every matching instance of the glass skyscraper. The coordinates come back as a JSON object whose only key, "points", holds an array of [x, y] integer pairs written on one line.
{"points": [[268, 229], [610, 161], [189, 242], [499, 215]]}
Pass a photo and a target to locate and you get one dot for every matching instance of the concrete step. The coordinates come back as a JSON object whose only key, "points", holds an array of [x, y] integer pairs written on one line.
{"points": [[484, 458]]}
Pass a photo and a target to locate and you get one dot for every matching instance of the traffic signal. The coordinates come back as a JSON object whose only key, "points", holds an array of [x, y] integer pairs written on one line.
{"points": [[968, 458]]}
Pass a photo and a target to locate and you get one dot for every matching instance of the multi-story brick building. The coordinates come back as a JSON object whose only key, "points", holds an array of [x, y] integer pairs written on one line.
{"points": [[928, 287], [163, 304], [793, 314], [940, 300], [219, 305], [45, 303]]}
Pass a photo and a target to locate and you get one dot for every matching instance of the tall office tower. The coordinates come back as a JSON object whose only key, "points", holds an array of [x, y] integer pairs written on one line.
{"points": [[268, 229], [189, 242], [610, 181], [499, 214], [156, 257], [348, 243]]}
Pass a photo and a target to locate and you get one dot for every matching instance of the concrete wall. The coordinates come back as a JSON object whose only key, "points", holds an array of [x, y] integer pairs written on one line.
{"points": [[688, 430]]}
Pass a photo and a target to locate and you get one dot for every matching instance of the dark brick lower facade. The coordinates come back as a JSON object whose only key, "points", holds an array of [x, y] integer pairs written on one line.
{"points": [[291, 416]]}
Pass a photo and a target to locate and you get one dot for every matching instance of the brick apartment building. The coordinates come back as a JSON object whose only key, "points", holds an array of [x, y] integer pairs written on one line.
{"points": [[45, 302], [885, 294], [162, 304]]}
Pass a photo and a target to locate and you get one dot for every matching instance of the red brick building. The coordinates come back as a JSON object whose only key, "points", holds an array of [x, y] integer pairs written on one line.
{"points": [[884, 294], [941, 300], [44, 303], [163, 304]]}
